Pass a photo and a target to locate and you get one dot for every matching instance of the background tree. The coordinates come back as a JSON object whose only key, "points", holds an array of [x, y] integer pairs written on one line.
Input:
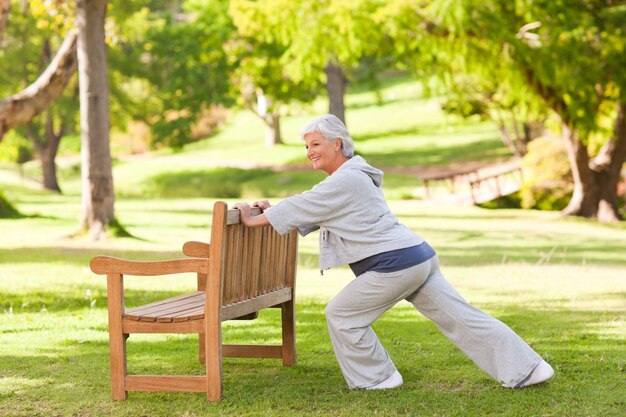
{"points": [[5, 9], [35, 31], [575, 63], [172, 58], [324, 40], [568, 53], [97, 179], [262, 85], [520, 115], [428, 43], [20, 108]]}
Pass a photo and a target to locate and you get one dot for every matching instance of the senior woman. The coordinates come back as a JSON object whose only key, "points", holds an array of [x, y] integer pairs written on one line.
{"points": [[391, 263]]}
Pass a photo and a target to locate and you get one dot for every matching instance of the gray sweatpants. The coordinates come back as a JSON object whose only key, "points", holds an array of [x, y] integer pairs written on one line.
{"points": [[491, 344]]}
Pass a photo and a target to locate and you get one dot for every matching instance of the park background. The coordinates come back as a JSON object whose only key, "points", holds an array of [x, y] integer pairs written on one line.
{"points": [[206, 99]]}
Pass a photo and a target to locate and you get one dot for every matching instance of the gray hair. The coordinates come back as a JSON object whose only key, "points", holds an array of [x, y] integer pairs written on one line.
{"points": [[332, 128]]}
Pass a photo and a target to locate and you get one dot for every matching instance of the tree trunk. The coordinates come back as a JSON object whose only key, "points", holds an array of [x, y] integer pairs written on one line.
{"points": [[272, 135], [47, 145], [49, 154], [336, 82], [46, 148], [49, 170], [267, 110], [37, 97], [97, 178], [5, 9], [595, 181], [508, 141]]}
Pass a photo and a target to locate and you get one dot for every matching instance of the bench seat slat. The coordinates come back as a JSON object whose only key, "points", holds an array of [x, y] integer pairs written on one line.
{"points": [[173, 307], [169, 310], [260, 302], [132, 312], [190, 306]]}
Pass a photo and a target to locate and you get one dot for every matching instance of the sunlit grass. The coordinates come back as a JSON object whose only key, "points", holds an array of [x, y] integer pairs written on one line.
{"points": [[559, 282], [568, 303]]}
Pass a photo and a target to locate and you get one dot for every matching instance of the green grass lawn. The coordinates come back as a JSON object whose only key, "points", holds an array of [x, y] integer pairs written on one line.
{"points": [[559, 282]]}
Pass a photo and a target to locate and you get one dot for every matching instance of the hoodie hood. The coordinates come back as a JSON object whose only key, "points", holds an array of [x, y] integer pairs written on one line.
{"points": [[359, 164]]}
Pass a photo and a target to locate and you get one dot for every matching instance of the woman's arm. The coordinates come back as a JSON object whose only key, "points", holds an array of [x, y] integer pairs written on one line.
{"points": [[248, 219], [328, 200]]}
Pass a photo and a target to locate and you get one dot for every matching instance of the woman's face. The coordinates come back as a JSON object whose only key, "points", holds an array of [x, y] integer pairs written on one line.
{"points": [[325, 154]]}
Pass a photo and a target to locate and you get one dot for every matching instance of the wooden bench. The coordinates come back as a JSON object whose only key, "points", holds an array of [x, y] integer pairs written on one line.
{"points": [[447, 176], [240, 272], [498, 180]]}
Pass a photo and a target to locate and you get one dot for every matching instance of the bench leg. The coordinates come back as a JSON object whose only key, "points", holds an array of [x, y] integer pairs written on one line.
{"points": [[117, 345], [117, 339], [201, 348], [288, 313], [213, 362]]}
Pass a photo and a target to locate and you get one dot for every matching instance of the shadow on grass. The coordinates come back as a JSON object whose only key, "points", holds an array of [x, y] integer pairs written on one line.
{"points": [[383, 82], [384, 102], [52, 256], [77, 297], [429, 154], [217, 182], [424, 129], [225, 183], [55, 255], [72, 372], [9, 212], [540, 252], [479, 150]]}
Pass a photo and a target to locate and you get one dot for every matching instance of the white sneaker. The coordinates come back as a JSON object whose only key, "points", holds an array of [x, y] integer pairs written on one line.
{"points": [[395, 380], [540, 374]]}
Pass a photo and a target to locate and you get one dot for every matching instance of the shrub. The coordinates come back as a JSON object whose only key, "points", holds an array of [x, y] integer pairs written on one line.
{"points": [[15, 148], [548, 183], [511, 201]]}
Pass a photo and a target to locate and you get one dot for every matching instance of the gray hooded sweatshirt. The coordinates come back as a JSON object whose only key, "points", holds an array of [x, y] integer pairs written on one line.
{"points": [[351, 212]]}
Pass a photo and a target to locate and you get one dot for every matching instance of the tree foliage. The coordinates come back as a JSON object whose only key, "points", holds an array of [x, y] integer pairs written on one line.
{"points": [[324, 40], [174, 62], [47, 106], [519, 117], [259, 78], [21, 107], [568, 53], [5, 9]]}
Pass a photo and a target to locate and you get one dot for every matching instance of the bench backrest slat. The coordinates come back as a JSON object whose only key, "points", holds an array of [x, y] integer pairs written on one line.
{"points": [[255, 261]]}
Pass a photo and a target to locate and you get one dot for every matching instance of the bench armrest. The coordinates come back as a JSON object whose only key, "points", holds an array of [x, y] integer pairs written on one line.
{"points": [[196, 249], [104, 265]]}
